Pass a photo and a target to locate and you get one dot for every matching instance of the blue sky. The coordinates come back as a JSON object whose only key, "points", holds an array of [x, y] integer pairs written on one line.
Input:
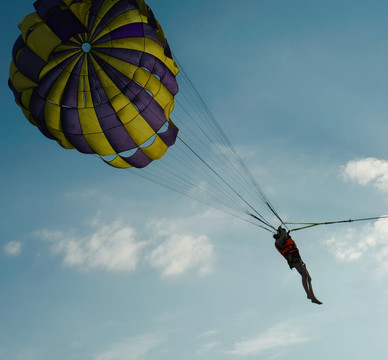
{"points": [[98, 264]]}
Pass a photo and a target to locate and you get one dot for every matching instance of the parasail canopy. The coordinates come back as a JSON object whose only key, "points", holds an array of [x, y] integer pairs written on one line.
{"points": [[97, 76]]}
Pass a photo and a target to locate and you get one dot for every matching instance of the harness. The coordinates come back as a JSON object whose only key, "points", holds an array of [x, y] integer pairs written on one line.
{"points": [[288, 249]]}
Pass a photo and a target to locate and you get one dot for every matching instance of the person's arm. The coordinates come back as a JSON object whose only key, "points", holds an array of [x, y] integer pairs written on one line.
{"points": [[281, 240]]}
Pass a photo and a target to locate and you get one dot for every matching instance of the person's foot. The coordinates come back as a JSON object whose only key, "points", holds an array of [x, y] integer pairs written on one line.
{"points": [[316, 301]]}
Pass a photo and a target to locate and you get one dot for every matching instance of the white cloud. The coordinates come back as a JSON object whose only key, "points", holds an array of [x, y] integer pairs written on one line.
{"points": [[207, 347], [367, 170], [116, 247], [180, 249], [13, 248], [133, 348], [345, 248], [168, 317], [208, 333], [281, 335], [368, 242], [210, 343], [179, 254], [209, 221], [110, 247]]}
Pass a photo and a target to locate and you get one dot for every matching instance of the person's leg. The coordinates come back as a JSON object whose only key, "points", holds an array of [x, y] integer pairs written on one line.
{"points": [[306, 281], [305, 275]]}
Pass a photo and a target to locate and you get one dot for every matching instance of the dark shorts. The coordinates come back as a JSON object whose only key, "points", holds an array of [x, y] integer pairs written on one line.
{"points": [[293, 259]]}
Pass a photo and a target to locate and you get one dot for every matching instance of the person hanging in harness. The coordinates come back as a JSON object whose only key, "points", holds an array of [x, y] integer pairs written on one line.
{"points": [[287, 247]]}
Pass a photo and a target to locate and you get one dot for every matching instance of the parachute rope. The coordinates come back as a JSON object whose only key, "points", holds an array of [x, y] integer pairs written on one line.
{"points": [[204, 165], [245, 201], [309, 225], [223, 147], [201, 198]]}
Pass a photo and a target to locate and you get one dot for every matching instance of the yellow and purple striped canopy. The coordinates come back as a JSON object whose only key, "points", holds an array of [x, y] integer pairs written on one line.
{"points": [[97, 76]]}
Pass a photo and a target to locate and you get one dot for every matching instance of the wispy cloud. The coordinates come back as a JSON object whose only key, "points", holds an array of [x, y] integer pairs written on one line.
{"points": [[134, 348], [117, 247], [209, 346], [348, 246], [210, 343], [179, 254], [369, 242], [208, 333], [180, 249], [13, 248], [279, 336], [110, 247], [365, 171]]}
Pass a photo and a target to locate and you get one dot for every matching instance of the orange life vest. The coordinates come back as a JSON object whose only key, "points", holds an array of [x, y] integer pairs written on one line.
{"points": [[289, 247]]}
